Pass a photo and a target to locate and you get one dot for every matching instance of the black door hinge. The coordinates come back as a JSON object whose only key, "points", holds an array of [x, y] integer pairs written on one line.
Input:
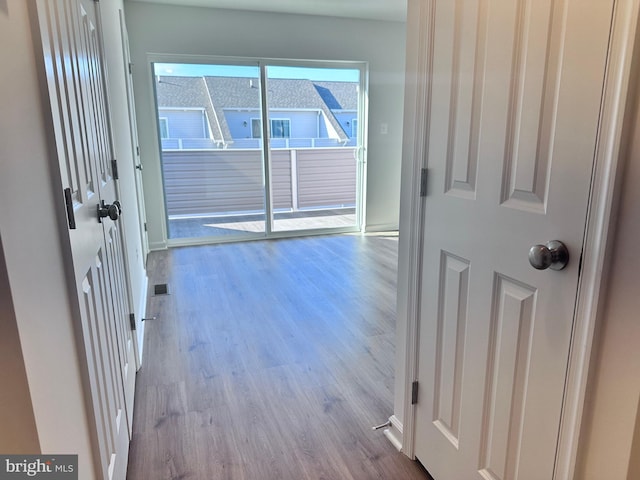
{"points": [[137, 150], [114, 169], [130, 68], [414, 393], [132, 321], [68, 203], [145, 226], [423, 182]]}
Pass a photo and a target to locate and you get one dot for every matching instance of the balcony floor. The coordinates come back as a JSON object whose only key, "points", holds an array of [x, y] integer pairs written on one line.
{"points": [[214, 226]]}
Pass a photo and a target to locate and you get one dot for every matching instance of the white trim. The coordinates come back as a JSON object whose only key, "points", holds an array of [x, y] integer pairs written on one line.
{"points": [[252, 110], [271, 120], [141, 312], [153, 173], [599, 216], [381, 227], [417, 101], [154, 57], [259, 122], [362, 147], [394, 432], [251, 236], [599, 219], [158, 246], [293, 157], [266, 150], [182, 109], [166, 124]]}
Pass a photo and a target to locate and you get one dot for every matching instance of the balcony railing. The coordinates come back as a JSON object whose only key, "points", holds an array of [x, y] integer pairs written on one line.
{"points": [[253, 143], [225, 182]]}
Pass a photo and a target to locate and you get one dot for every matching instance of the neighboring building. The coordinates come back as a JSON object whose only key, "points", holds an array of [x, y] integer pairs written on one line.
{"points": [[224, 112]]}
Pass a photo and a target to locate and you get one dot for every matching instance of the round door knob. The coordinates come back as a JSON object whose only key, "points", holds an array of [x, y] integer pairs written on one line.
{"points": [[553, 255], [112, 211]]}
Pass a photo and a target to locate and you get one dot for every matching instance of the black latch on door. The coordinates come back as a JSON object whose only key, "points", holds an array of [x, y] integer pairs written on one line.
{"points": [[68, 203], [112, 211]]}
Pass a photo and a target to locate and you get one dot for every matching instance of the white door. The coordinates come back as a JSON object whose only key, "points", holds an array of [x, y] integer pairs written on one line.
{"points": [[514, 105], [126, 55], [74, 71]]}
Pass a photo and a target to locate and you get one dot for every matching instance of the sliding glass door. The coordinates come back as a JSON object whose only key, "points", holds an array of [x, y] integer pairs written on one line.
{"points": [[213, 170], [313, 147], [223, 182]]}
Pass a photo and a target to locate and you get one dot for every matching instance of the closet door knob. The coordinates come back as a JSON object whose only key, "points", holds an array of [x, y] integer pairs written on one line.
{"points": [[112, 211], [553, 255]]}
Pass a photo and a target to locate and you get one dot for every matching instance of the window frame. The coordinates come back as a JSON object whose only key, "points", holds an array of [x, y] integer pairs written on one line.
{"points": [[165, 121], [256, 126], [288, 129]]}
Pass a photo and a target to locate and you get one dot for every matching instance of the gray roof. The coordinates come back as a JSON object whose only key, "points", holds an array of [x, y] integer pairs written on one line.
{"points": [[338, 95], [218, 93], [190, 92]]}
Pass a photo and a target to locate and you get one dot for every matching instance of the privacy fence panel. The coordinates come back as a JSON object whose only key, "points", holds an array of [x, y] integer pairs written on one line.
{"points": [[326, 177], [216, 182], [213, 181]]}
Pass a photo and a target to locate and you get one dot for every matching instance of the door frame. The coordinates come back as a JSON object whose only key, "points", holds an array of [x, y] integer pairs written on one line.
{"points": [[611, 138], [135, 148]]}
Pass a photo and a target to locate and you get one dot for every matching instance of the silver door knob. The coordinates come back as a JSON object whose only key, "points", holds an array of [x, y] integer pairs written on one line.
{"points": [[553, 255]]}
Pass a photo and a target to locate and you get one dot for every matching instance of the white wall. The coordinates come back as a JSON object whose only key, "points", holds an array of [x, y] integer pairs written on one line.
{"points": [[185, 30], [18, 433]]}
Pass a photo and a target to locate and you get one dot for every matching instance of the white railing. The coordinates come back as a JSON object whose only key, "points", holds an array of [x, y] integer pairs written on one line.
{"points": [[249, 143]]}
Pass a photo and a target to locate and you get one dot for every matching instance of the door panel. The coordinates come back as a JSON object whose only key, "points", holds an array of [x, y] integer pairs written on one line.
{"points": [[112, 231], [452, 319], [73, 66], [513, 114], [126, 55], [125, 346], [511, 327]]}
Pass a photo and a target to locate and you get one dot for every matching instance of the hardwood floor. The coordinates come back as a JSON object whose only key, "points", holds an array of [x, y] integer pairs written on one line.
{"points": [[270, 360]]}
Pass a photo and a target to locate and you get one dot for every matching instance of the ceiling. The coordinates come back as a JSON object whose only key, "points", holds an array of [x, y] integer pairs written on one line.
{"points": [[394, 10]]}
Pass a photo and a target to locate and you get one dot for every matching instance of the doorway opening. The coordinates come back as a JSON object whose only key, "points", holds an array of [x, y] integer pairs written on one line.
{"points": [[259, 149]]}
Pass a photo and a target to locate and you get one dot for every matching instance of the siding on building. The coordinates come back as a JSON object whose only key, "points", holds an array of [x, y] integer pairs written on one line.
{"points": [[346, 119], [189, 123], [304, 124], [231, 104]]}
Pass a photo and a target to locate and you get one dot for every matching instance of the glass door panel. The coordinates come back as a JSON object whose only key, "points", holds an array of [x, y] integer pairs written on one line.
{"points": [[313, 147], [212, 156]]}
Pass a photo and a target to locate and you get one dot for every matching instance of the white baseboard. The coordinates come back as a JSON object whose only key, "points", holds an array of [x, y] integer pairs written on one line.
{"points": [[389, 227], [140, 314], [154, 246], [394, 432]]}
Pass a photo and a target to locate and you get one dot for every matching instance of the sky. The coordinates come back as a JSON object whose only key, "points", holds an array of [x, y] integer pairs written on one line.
{"points": [[199, 70]]}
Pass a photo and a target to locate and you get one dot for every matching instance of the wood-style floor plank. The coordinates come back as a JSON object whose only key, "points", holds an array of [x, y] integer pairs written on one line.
{"points": [[270, 360]]}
